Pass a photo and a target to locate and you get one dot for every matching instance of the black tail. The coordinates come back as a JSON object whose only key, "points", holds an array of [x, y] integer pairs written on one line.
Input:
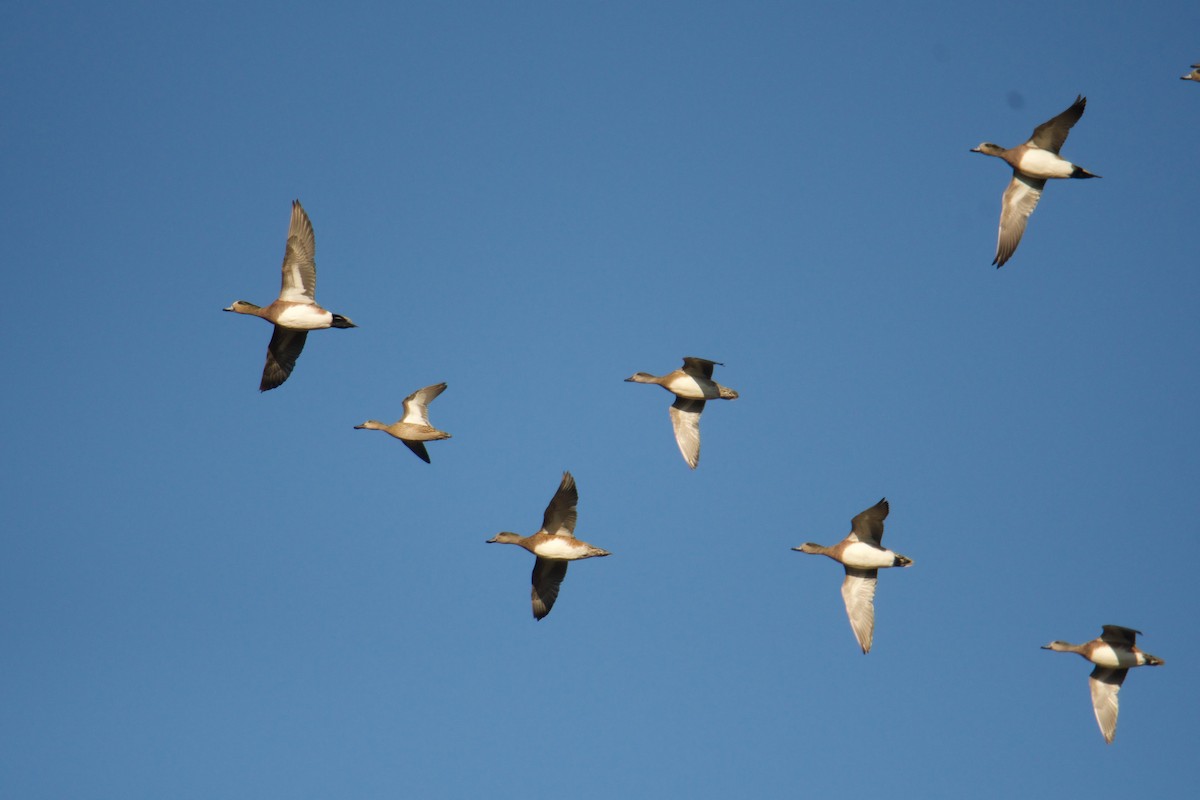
{"points": [[1080, 172]]}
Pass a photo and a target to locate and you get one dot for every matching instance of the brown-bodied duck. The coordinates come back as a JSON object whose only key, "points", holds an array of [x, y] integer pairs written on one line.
{"points": [[692, 385], [1194, 75], [296, 312], [1033, 163], [1114, 653], [554, 545], [863, 555], [414, 428]]}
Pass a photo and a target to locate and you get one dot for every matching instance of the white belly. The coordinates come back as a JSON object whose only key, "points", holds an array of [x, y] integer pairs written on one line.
{"points": [[865, 556], [1105, 656], [1044, 164], [559, 548], [304, 318], [688, 387]]}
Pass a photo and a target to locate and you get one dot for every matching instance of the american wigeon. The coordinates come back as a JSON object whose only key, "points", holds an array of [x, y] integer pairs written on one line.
{"points": [[1194, 75], [692, 385], [863, 555], [554, 545], [1114, 654], [296, 312], [1033, 163], [413, 428]]}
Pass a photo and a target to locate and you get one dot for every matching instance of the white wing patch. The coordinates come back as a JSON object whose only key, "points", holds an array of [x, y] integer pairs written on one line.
{"points": [[416, 405], [415, 414], [299, 260]]}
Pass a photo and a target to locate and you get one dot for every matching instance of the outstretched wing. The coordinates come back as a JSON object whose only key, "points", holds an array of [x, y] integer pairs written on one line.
{"points": [[299, 260], [419, 449], [858, 590], [416, 405], [867, 526], [1117, 635], [559, 519], [1051, 134], [1020, 199], [282, 352], [547, 577], [685, 419], [699, 367], [1105, 683]]}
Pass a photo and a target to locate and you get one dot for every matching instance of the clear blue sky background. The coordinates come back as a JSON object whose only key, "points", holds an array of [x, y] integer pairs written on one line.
{"points": [[207, 592]]}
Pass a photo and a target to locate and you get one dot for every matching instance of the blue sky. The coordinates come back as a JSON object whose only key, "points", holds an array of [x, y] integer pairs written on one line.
{"points": [[208, 592]]}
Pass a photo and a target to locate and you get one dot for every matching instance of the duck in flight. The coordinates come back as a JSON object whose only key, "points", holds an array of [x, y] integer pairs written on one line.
{"points": [[692, 385], [863, 555], [414, 428], [554, 545], [1033, 163], [1114, 653], [295, 312]]}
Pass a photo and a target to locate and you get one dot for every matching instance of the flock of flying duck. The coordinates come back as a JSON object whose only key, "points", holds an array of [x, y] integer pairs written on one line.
{"points": [[861, 553]]}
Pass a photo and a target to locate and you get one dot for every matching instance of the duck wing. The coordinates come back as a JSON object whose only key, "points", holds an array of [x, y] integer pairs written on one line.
{"points": [[416, 405], [685, 419], [1116, 635], [419, 449], [1051, 134], [867, 526], [858, 591], [699, 367], [559, 519], [1020, 199], [1105, 683], [282, 352], [547, 577], [299, 260]]}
